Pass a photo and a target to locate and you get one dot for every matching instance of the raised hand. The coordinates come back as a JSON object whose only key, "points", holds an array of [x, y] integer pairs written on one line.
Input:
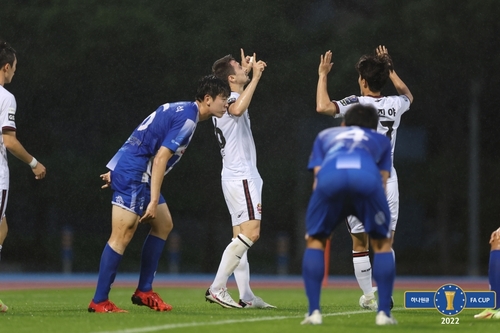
{"points": [[246, 62], [325, 63], [383, 53]]}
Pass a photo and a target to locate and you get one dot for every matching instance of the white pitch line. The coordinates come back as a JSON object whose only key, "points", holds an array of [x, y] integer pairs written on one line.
{"points": [[223, 322]]}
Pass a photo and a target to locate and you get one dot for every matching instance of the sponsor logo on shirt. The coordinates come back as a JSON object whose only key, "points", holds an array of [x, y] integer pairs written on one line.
{"points": [[349, 100], [180, 108], [12, 117]]}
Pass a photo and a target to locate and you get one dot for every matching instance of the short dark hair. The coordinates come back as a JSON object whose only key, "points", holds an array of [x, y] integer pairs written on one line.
{"points": [[222, 68], [7, 54], [362, 116], [375, 70], [212, 86]]}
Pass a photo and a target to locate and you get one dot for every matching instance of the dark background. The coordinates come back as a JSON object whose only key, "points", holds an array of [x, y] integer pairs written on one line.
{"points": [[90, 71]]}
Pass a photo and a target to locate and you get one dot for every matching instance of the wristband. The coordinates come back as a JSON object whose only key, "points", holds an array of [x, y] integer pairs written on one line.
{"points": [[33, 163]]}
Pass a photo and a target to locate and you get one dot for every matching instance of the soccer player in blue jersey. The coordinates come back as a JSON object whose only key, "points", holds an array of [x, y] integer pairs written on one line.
{"points": [[136, 175], [351, 165], [493, 277]]}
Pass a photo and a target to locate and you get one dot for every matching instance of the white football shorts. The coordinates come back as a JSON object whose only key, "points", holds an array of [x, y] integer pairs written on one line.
{"points": [[355, 226], [243, 199]]}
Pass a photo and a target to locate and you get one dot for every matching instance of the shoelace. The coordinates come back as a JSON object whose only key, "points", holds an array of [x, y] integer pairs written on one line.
{"points": [[110, 306]]}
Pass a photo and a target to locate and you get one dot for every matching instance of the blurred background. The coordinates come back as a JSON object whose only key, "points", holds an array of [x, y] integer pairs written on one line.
{"points": [[90, 71]]}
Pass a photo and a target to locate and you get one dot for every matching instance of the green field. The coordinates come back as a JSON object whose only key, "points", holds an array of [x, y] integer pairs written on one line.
{"points": [[65, 310]]}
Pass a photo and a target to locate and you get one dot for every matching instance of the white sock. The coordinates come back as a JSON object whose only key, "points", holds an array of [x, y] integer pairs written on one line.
{"points": [[230, 260], [242, 277], [363, 272]]}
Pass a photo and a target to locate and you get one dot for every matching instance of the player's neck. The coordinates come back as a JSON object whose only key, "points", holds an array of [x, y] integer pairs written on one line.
{"points": [[237, 88], [368, 92], [203, 111]]}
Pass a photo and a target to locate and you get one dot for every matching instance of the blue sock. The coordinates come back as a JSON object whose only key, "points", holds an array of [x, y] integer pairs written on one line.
{"points": [[151, 253], [313, 270], [494, 274], [107, 272], [384, 273]]}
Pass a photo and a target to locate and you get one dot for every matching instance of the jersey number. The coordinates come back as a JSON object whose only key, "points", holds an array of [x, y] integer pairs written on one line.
{"points": [[354, 134], [147, 122], [219, 135], [388, 126]]}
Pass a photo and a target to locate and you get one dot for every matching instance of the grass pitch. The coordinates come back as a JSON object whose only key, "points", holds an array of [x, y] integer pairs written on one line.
{"points": [[65, 310]]}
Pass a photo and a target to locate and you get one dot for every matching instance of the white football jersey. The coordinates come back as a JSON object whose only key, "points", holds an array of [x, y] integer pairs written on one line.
{"points": [[234, 134], [390, 109], [7, 122]]}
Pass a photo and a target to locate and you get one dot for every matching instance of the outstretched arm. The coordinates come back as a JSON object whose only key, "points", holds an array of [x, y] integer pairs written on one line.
{"points": [[400, 86], [323, 103]]}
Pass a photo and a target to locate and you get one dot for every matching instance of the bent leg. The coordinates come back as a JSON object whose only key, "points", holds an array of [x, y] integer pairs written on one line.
{"points": [[123, 226]]}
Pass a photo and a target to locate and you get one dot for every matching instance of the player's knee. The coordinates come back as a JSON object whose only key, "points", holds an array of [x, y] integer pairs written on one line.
{"points": [[253, 236]]}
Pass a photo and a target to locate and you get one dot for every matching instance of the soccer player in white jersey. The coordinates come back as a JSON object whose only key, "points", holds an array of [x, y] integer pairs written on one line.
{"points": [[374, 70], [241, 181], [9, 141], [136, 175]]}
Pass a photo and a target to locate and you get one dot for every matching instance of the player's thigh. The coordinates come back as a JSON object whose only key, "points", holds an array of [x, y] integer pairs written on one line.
{"points": [[323, 214], [123, 223], [374, 211], [243, 199]]}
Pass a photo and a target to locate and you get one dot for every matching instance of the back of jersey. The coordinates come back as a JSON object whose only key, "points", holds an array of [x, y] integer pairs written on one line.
{"points": [[351, 148], [390, 109]]}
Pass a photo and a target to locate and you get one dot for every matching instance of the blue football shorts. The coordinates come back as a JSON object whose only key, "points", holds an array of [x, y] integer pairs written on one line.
{"points": [[343, 192], [130, 194]]}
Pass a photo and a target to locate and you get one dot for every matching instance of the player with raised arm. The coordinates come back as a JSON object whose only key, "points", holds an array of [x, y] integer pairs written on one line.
{"points": [[374, 70], [136, 175], [241, 181], [9, 141], [351, 165]]}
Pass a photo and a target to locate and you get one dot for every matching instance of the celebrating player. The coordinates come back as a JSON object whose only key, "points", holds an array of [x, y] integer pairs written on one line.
{"points": [[8, 106], [241, 181], [136, 175], [351, 165], [374, 71], [494, 277]]}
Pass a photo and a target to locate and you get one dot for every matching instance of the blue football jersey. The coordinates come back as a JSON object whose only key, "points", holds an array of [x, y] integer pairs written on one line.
{"points": [[351, 148], [172, 125]]}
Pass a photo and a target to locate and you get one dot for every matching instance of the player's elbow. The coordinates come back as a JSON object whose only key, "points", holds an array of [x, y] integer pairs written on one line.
{"points": [[323, 109], [9, 142]]}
